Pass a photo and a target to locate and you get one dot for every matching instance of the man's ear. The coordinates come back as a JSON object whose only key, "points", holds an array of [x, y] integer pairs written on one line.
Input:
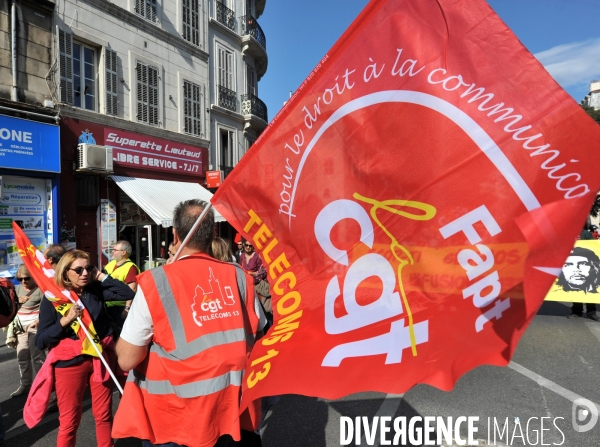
{"points": [[176, 239]]}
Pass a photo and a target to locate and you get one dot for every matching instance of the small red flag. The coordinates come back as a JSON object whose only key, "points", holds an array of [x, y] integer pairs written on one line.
{"points": [[411, 203], [43, 275]]}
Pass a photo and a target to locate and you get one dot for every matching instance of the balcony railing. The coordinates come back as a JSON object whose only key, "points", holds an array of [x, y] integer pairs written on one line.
{"points": [[251, 105], [225, 16], [250, 27], [226, 170], [227, 98]]}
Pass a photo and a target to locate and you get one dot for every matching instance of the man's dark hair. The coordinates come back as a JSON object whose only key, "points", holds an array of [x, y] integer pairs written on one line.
{"points": [[55, 252], [184, 217], [592, 285]]}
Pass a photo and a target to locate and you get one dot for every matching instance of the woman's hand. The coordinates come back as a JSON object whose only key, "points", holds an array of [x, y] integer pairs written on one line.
{"points": [[98, 275], [72, 315], [23, 299]]}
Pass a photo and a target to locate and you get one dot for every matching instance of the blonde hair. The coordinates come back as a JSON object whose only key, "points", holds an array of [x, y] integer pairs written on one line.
{"points": [[22, 271], [221, 250], [61, 278]]}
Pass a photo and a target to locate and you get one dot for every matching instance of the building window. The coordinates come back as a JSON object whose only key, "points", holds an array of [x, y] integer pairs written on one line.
{"points": [[147, 94], [191, 21], [225, 15], [250, 81], [226, 143], [192, 108], [146, 9], [225, 81], [225, 68], [77, 66], [110, 57], [84, 77]]}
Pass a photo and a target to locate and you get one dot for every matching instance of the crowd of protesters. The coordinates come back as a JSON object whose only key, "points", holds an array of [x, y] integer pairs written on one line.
{"points": [[124, 309]]}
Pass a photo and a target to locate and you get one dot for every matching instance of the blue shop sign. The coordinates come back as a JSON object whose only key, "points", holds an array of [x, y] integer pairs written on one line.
{"points": [[29, 145]]}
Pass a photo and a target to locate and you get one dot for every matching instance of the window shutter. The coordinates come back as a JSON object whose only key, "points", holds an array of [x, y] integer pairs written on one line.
{"points": [[65, 53], [110, 57], [191, 108], [152, 96], [146, 9], [142, 92], [221, 68], [197, 110], [191, 23], [229, 70]]}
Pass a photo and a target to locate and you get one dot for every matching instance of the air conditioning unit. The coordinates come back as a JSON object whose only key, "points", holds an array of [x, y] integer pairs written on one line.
{"points": [[95, 158]]}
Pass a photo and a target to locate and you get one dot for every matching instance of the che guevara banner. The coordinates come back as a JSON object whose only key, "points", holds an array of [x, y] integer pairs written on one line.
{"points": [[579, 277], [413, 202], [42, 273]]}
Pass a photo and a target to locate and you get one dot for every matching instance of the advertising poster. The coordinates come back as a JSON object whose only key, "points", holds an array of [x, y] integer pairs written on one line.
{"points": [[579, 278], [107, 226], [132, 214], [25, 202]]}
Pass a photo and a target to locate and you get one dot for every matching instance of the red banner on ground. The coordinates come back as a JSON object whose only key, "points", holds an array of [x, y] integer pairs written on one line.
{"points": [[425, 168]]}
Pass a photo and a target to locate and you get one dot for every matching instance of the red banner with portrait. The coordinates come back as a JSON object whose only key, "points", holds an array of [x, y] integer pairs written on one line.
{"points": [[412, 203]]}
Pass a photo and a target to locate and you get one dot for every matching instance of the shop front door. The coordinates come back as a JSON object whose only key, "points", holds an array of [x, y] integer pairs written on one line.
{"points": [[86, 233]]}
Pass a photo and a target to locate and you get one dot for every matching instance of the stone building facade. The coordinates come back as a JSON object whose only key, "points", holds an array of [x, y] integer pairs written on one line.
{"points": [[171, 86]]}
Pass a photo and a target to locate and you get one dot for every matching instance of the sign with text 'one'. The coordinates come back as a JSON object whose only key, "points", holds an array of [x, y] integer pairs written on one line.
{"points": [[29, 145], [146, 152], [412, 203]]}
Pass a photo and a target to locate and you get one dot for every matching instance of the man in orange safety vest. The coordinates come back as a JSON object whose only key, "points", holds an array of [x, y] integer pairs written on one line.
{"points": [[187, 339]]}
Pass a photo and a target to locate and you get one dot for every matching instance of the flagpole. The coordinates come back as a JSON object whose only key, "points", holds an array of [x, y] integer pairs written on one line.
{"points": [[192, 231], [100, 354]]}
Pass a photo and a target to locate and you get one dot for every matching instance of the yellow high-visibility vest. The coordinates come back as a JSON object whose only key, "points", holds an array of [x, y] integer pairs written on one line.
{"points": [[119, 273]]}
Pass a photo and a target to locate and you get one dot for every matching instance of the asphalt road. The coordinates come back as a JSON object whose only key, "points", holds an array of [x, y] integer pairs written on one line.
{"points": [[557, 361]]}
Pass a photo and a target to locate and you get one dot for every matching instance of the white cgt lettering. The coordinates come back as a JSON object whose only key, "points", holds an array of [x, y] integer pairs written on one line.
{"points": [[336, 212], [388, 305]]}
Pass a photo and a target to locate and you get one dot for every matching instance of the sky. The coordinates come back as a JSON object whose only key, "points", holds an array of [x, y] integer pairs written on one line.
{"points": [[563, 34]]}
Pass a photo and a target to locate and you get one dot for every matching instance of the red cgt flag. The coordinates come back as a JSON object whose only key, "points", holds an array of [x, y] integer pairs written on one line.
{"points": [[412, 203], [43, 274]]}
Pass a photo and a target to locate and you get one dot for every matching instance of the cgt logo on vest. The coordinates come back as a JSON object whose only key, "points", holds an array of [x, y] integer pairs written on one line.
{"points": [[209, 301]]}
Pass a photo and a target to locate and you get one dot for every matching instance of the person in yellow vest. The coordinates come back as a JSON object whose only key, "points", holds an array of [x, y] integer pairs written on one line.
{"points": [[186, 343], [123, 269]]}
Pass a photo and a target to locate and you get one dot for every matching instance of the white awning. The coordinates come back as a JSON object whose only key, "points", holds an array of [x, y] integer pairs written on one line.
{"points": [[158, 198]]}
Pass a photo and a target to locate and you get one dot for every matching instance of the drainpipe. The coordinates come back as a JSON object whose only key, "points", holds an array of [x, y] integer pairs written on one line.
{"points": [[13, 24]]}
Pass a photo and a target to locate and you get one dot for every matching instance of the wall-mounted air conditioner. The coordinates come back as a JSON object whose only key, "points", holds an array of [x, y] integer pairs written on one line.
{"points": [[95, 158]]}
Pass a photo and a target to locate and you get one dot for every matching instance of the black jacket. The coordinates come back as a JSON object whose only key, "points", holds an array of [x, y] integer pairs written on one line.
{"points": [[50, 332]]}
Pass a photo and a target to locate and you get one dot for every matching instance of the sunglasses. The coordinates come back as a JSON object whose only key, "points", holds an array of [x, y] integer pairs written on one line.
{"points": [[117, 249], [24, 278], [79, 270], [247, 245]]}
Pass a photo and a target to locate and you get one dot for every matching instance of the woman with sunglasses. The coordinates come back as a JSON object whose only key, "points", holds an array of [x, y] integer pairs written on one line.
{"points": [[71, 375], [24, 328]]}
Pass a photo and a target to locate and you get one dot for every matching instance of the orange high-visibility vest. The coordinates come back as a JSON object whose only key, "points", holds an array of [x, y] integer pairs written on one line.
{"points": [[188, 388]]}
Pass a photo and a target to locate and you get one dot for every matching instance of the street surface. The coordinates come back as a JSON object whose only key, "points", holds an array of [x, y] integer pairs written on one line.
{"points": [[557, 361]]}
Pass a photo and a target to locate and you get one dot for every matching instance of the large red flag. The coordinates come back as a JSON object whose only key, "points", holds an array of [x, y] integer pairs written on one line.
{"points": [[43, 274], [411, 202]]}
